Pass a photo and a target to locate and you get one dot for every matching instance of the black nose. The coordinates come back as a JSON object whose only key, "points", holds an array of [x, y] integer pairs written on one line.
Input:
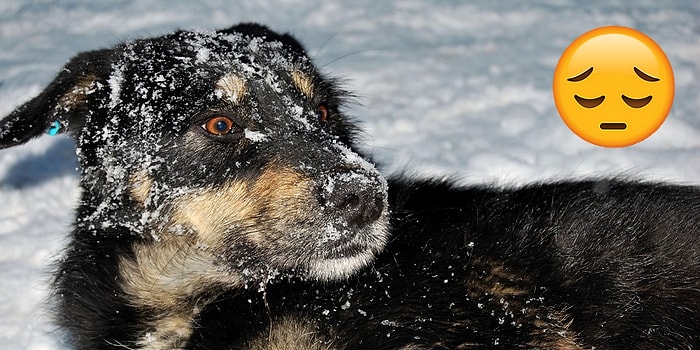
{"points": [[358, 203]]}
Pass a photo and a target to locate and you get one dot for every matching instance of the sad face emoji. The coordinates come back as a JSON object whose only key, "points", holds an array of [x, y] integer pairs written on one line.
{"points": [[613, 86]]}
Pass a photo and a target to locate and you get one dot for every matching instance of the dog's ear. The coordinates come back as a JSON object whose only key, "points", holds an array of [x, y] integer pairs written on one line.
{"points": [[62, 105]]}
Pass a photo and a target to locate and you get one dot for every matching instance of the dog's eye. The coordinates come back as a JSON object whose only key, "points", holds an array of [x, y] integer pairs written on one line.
{"points": [[322, 112], [219, 125]]}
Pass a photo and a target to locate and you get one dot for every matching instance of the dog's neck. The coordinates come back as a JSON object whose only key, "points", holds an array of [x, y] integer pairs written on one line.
{"points": [[172, 280]]}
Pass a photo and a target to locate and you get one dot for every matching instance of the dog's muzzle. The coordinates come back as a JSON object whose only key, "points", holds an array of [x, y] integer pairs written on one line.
{"points": [[357, 198]]}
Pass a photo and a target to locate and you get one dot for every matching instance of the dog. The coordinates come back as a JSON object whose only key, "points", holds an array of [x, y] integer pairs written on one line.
{"points": [[210, 161], [225, 205]]}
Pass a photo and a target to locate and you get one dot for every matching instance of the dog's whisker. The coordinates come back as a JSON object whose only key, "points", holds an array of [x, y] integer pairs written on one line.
{"points": [[349, 54], [119, 345]]}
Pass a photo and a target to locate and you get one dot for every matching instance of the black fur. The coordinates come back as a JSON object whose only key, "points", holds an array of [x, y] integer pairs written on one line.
{"points": [[153, 241], [605, 264], [601, 264]]}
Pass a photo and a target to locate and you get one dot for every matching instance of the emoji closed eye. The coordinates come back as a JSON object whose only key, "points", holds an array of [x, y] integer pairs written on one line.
{"points": [[581, 76], [589, 102], [645, 76], [636, 102]]}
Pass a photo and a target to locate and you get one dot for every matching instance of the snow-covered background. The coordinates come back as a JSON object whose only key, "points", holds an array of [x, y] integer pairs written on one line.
{"points": [[446, 87]]}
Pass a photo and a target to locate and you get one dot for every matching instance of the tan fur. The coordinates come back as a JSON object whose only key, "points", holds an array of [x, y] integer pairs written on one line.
{"points": [[413, 347], [76, 96], [232, 88], [169, 333], [304, 83], [496, 280], [211, 212], [176, 275], [507, 288], [139, 186], [173, 278], [552, 331], [289, 333], [278, 193], [165, 273]]}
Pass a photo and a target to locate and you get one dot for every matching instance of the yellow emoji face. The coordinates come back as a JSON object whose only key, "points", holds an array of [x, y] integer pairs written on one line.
{"points": [[613, 86]]}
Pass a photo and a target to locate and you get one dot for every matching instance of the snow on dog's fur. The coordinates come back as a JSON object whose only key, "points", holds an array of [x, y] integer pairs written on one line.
{"points": [[210, 161], [225, 206]]}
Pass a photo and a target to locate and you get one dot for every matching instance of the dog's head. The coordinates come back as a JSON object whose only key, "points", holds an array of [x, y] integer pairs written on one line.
{"points": [[230, 138]]}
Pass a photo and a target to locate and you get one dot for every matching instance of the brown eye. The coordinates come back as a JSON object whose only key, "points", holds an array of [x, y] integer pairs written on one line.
{"points": [[219, 125], [322, 113]]}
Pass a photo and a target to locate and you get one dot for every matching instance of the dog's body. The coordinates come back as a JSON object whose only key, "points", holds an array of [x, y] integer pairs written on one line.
{"points": [[547, 266], [225, 205]]}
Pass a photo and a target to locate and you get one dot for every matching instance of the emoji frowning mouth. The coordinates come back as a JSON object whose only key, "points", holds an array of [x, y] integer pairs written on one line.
{"points": [[613, 126]]}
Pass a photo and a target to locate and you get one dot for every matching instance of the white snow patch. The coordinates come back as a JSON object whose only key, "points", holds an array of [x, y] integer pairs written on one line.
{"points": [[115, 85], [255, 136]]}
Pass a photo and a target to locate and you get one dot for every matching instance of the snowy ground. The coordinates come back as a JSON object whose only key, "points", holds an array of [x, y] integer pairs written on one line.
{"points": [[446, 88]]}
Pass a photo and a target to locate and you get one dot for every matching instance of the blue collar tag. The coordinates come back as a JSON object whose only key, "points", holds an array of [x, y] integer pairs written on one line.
{"points": [[55, 127]]}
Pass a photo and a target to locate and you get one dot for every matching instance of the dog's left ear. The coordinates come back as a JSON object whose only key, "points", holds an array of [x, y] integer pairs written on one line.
{"points": [[62, 105]]}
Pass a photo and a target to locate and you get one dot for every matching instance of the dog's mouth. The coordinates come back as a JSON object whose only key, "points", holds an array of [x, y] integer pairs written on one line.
{"points": [[344, 250], [340, 267], [355, 250], [333, 253], [344, 239]]}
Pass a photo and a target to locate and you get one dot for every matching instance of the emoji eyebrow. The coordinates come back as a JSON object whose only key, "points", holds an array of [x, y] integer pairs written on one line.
{"points": [[645, 76], [582, 76]]}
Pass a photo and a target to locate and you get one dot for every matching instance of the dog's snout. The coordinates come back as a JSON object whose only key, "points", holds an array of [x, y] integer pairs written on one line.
{"points": [[357, 204]]}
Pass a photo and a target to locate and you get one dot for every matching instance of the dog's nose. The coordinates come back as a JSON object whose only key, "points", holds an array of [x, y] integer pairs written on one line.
{"points": [[356, 203]]}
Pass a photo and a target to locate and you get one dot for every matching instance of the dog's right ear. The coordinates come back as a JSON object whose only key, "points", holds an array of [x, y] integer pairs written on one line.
{"points": [[63, 104]]}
